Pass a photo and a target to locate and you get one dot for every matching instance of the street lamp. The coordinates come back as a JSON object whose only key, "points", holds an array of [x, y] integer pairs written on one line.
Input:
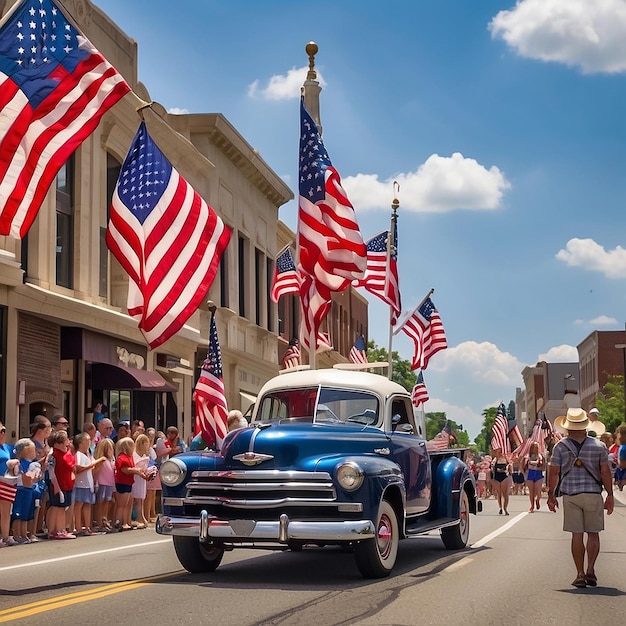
{"points": [[623, 347]]}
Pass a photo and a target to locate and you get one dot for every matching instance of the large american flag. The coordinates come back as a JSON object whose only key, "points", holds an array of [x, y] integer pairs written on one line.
{"points": [[424, 326], [291, 358], [331, 252], [419, 395], [358, 352], [500, 431], [166, 237], [381, 277], [54, 88], [285, 279], [211, 411]]}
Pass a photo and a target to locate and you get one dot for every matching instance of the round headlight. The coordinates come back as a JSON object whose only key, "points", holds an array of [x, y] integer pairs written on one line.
{"points": [[350, 476], [172, 472]]}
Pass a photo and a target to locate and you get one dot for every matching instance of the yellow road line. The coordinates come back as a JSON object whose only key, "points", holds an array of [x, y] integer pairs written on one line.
{"points": [[58, 602]]}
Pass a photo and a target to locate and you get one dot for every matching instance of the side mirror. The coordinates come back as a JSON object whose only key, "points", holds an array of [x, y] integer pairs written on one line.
{"points": [[405, 428]]}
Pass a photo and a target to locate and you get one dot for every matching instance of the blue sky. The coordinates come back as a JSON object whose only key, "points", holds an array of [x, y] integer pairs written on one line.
{"points": [[503, 123]]}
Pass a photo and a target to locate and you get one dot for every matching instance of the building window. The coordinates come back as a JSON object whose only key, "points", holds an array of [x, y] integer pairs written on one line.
{"points": [[269, 274], [223, 271], [24, 256], [259, 287], [243, 276], [65, 224], [113, 173]]}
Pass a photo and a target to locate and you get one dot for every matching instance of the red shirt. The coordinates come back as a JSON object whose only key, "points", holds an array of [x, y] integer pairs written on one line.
{"points": [[124, 460], [64, 464]]}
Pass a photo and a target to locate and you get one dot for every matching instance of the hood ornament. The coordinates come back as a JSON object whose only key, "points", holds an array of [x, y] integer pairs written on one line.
{"points": [[251, 458]]}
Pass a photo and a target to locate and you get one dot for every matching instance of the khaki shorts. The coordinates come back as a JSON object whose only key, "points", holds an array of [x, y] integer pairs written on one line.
{"points": [[583, 513]]}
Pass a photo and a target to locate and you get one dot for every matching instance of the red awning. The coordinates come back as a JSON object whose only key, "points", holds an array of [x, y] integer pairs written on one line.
{"points": [[105, 376]]}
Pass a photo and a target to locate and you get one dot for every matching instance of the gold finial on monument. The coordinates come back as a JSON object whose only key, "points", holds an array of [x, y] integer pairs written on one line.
{"points": [[311, 49]]}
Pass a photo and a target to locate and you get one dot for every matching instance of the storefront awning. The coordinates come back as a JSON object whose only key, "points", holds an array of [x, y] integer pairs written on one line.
{"points": [[105, 376]]}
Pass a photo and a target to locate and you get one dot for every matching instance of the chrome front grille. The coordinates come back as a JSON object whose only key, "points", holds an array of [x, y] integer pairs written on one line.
{"points": [[260, 489]]}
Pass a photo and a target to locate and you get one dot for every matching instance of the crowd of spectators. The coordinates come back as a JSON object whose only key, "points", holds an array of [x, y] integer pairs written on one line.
{"points": [[104, 479]]}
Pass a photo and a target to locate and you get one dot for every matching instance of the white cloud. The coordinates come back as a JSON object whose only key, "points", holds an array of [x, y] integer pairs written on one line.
{"points": [[441, 184], [585, 33], [282, 86], [592, 256], [603, 320], [480, 362], [177, 111], [560, 354]]}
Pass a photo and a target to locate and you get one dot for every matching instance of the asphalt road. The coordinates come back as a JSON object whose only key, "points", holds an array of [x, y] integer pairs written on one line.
{"points": [[518, 571]]}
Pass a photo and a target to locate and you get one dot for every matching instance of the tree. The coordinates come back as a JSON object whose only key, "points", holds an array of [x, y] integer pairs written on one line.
{"points": [[483, 440], [402, 373], [438, 420], [610, 403]]}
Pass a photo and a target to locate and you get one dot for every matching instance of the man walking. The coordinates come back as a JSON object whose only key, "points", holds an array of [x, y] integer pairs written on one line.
{"points": [[581, 463]]}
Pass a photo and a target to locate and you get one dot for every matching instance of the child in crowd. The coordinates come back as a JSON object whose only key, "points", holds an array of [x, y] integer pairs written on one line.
{"points": [[8, 469], [61, 469], [141, 458], [84, 496], [125, 472], [29, 474], [153, 486], [104, 476]]}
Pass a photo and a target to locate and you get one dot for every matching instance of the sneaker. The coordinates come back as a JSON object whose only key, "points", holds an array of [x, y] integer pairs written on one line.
{"points": [[20, 541], [2, 544], [34, 539], [9, 541]]}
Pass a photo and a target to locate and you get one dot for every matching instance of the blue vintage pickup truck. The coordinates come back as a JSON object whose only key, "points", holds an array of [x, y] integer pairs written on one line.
{"points": [[332, 457]]}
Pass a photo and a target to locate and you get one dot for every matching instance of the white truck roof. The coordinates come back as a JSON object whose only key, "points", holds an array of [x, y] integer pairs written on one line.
{"points": [[346, 379]]}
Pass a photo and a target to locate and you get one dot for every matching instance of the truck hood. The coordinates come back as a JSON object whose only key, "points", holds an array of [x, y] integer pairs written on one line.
{"points": [[295, 446]]}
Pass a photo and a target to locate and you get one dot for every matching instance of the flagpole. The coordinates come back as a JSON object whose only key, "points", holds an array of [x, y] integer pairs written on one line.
{"points": [[406, 317], [391, 237], [311, 91]]}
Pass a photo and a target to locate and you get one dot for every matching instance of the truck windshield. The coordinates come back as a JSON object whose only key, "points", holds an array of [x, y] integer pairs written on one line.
{"points": [[320, 405]]}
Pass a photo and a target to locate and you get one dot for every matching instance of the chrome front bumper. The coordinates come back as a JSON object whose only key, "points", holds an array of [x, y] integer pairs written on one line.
{"points": [[282, 531]]}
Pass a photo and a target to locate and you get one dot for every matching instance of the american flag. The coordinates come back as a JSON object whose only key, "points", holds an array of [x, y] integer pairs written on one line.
{"points": [[291, 358], [358, 352], [424, 326], [381, 278], [54, 88], [500, 431], [515, 436], [324, 344], [419, 395], [166, 237], [211, 410], [536, 436], [441, 440], [331, 252], [285, 276]]}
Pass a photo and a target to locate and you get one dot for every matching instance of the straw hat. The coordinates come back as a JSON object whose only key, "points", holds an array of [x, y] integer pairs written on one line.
{"points": [[576, 419]]}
